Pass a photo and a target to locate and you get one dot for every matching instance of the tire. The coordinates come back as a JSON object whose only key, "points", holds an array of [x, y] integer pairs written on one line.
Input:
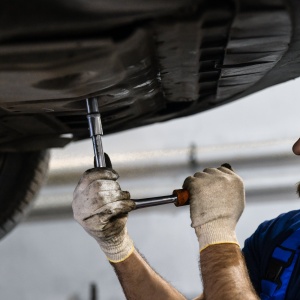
{"points": [[21, 177]]}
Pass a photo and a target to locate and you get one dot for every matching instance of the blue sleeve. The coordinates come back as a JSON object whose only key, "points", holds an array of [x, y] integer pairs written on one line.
{"points": [[252, 253], [259, 246]]}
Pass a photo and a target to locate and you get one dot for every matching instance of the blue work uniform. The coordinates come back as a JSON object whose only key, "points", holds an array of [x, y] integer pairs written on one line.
{"points": [[259, 249]]}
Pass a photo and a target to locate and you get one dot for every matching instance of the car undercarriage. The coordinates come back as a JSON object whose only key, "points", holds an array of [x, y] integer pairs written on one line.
{"points": [[145, 61]]}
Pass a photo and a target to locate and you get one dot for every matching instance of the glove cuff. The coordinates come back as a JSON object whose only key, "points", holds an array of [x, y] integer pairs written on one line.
{"points": [[217, 232], [118, 248]]}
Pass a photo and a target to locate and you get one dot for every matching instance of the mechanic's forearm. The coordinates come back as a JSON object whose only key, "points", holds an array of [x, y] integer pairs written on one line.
{"points": [[140, 281], [225, 274]]}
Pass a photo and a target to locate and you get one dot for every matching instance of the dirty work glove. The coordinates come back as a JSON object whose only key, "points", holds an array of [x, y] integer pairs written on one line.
{"points": [[217, 200], [101, 208]]}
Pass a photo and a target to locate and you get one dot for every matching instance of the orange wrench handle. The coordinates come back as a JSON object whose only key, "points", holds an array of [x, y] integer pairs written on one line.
{"points": [[183, 197]]}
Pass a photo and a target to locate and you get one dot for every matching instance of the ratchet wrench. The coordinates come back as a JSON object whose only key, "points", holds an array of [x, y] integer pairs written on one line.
{"points": [[179, 197]]}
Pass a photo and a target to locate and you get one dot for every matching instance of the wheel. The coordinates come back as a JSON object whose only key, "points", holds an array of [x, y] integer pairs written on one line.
{"points": [[21, 176]]}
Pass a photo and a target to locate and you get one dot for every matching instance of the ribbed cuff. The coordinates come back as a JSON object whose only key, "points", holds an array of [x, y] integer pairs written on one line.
{"points": [[118, 248], [213, 233]]}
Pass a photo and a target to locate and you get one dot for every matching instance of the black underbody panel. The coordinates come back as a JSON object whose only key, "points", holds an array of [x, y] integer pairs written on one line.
{"points": [[146, 61]]}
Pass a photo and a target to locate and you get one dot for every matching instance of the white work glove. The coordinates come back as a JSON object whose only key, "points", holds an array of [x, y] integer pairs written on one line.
{"points": [[101, 208], [217, 200]]}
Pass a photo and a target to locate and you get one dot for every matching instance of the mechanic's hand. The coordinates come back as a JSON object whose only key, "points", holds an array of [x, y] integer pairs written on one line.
{"points": [[101, 208], [217, 200]]}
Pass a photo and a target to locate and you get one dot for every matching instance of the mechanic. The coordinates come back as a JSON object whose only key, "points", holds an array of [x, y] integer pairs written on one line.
{"points": [[216, 203]]}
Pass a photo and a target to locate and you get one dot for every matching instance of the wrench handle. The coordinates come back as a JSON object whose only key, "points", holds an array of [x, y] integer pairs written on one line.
{"points": [[183, 197]]}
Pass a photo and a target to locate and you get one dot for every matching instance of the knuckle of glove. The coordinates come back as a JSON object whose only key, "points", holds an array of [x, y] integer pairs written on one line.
{"points": [[103, 185], [100, 173], [96, 174], [92, 175], [211, 171], [187, 182]]}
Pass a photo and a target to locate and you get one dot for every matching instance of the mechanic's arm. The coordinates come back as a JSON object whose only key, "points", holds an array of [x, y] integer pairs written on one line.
{"points": [[217, 200], [101, 208], [140, 281]]}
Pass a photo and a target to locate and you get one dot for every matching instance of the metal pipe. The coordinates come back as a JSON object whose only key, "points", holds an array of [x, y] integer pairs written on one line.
{"points": [[179, 198], [96, 131], [155, 201]]}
